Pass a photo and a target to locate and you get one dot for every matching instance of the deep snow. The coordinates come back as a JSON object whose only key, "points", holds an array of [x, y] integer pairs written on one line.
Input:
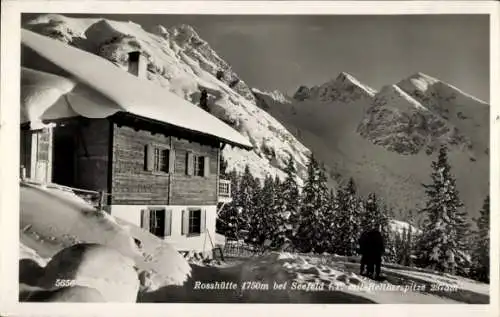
{"points": [[292, 278], [52, 219]]}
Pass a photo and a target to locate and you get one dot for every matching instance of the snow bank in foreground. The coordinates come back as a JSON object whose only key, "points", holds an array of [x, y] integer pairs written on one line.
{"points": [[96, 267], [28, 253], [52, 219]]}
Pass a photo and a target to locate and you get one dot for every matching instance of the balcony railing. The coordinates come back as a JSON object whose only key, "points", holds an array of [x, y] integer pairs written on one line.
{"points": [[225, 190]]}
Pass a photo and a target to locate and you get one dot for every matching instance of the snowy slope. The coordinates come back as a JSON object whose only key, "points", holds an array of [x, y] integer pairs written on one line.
{"points": [[386, 140], [180, 61], [467, 113]]}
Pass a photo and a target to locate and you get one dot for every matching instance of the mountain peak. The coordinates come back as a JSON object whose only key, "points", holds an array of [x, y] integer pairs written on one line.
{"points": [[395, 97], [275, 95], [160, 30], [345, 78], [185, 30], [418, 81]]}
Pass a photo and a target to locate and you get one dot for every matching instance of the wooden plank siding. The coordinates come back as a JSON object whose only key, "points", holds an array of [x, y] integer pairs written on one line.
{"points": [[92, 155], [132, 184], [191, 189], [80, 153], [111, 156]]}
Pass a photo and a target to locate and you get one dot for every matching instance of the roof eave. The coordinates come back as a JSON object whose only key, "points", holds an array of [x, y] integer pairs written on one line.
{"points": [[194, 132]]}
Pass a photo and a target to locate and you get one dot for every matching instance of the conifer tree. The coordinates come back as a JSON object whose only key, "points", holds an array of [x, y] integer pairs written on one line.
{"points": [[347, 219], [481, 254], [288, 201], [442, 244], [262, 221], [314, 202], [246, 199]]}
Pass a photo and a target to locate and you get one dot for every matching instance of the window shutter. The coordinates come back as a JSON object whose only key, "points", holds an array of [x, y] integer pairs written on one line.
{"points": [[189, 163], [206, 166], [185, 222], [145, 219], [171, 161], [203, 221], [168, 222], [149, 157]]}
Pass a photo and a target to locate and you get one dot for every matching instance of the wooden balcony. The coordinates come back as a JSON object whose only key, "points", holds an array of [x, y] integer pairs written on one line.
{"points": [[225, 191]]}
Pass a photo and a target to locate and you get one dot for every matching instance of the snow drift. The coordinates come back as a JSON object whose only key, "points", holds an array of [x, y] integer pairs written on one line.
{"points": [[53, 219]]}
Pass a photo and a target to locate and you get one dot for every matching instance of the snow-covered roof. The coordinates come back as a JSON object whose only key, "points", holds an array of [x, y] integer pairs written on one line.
{"points": [[59, 81]]}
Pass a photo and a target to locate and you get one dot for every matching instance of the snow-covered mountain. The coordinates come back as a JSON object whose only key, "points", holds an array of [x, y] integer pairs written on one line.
{"points": [[276, 95], [386, 140], [179, 60], [344, 88]]}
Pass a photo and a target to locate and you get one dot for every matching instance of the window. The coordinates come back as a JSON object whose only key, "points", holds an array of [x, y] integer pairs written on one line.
{"points": [[157, 158], [194, 221], [43, 145], [199, 165], [157, 222], [161, 157]]}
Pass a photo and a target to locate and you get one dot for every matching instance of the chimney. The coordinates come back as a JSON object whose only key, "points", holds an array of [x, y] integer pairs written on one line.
{"points": [[137, 64]]}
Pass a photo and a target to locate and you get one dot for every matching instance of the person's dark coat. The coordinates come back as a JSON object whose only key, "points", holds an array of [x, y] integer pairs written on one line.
{"points": [[371, 246]]}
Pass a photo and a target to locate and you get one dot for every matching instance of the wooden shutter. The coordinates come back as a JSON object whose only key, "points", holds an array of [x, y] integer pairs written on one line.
{"points": [[189, 163], [185, 222], [171, 161], [206, 166], [149, 161], [145, 215], [203, 220], [168, 222]]}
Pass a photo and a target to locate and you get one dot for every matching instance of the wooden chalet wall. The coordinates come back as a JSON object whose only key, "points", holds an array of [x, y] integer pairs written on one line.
{"points": [[193, 190], [132, 184], [92, 155], [81, 152]]}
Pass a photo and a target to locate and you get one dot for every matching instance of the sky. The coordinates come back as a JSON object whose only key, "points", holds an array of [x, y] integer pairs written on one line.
{"points": [[284, 52]]}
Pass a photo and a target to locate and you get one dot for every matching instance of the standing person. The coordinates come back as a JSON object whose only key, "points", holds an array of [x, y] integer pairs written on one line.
{"points": [[376, 250], [372, 248], [363, 248]]}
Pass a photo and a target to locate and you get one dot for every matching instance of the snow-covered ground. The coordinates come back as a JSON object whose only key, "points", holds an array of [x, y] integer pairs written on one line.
{"points": [[292, 278], [54, 219]]}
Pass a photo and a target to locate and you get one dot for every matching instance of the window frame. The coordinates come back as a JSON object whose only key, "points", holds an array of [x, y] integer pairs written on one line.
{"points": [[197, 171], [190, 211], [157, 147]]}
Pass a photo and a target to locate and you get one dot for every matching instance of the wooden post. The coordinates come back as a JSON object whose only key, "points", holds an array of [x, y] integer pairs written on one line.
{"points": [[101, 200], [23, 173]]}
